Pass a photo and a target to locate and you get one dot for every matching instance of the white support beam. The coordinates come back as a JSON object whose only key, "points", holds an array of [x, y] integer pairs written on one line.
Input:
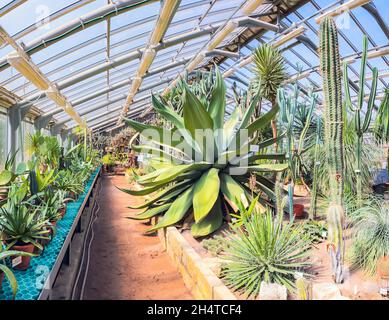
{"points": [[20, 60], [168, 10], [248, 8]]}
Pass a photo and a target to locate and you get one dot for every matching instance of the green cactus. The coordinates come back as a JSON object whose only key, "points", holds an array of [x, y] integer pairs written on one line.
{"points": [[360, 127], [313, 205], [334, 117]]}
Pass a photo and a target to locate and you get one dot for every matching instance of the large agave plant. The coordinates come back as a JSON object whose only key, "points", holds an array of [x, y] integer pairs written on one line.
{"points": [[197, 174]]}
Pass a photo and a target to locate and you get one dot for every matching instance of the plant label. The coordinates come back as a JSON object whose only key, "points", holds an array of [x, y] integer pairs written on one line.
{"points": [[254, 148], [16, 261], [324, 234]]}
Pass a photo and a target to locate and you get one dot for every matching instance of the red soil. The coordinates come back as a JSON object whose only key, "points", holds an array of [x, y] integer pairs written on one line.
{"points": [[126, 264]]}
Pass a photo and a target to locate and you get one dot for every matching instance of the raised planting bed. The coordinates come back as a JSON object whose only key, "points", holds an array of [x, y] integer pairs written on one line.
{"points": [[36, 282], [196, 273]]}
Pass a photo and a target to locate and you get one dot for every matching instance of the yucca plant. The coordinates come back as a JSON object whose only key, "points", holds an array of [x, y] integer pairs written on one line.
{"points": [[370, 235], [264, 249], [270, 73], [196, 173]]}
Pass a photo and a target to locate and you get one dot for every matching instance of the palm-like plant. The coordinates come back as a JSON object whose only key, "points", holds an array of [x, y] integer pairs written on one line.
{"points": [[189, 175], [264, 249], [270, 74], [370, 235]]}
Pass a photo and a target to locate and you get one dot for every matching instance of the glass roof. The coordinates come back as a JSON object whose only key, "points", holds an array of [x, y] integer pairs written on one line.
{"points": [[94, 63]]}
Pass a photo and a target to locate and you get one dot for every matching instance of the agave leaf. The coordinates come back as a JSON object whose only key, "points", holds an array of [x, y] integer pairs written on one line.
{"points": [[229, 129], [217, 104], [267, 167], [162, 194], [270, 156], [247, 115], [149, 213], [262, 121], [172, 173], [206, 192], [270, 141], [158, 151], [210, 223], [177, 210], [11, 278], [167, 113], [195, 115], [232, 190]]}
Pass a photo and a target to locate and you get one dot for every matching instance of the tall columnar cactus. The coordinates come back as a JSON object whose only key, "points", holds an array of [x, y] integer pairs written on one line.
{"points": [[334, 117], [361, 126], [313, 205]]}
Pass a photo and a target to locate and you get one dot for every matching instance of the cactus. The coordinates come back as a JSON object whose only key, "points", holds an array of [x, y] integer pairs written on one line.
{"points": [[313, 205], [304, 289], [357, 110], [294, 147], [334, 117]]}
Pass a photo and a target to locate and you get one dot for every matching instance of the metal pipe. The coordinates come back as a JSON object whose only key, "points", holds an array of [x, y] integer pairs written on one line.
{"points": [[217, 52], [10, 6]]}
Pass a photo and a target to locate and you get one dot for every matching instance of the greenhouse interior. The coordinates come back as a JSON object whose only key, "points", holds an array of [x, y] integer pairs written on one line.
{"points": [[194, 150]]}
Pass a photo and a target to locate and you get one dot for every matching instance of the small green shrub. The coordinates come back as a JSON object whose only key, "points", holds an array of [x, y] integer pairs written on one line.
{"points": [[370, 235]]}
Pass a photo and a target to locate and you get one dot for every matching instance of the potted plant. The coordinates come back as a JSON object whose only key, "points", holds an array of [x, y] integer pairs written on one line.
{"points": [[22, 228], [7, 272], [107, 162]]}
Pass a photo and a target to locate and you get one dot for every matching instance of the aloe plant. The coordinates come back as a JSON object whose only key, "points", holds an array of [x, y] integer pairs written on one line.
{"points": [[188, 175], [19, 222], [360, 126]]}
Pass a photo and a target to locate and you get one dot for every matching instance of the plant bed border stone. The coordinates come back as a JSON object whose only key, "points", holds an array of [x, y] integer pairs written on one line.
{"points": [[197, 276]]}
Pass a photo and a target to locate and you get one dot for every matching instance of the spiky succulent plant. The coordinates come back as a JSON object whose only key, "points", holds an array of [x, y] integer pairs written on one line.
{"points": [[198, 172]]}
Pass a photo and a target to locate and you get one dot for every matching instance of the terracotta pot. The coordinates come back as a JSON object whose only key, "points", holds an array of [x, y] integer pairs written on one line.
{"points": [[383, 268], [298, 210], [62, 211], [25, 260]]}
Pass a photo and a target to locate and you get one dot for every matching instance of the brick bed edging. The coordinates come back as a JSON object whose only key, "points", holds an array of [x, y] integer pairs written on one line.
{"points": [[197, 276]]}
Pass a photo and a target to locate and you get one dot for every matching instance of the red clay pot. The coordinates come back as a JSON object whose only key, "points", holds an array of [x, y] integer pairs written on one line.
{"points": [[298, 210], [25, 260]]}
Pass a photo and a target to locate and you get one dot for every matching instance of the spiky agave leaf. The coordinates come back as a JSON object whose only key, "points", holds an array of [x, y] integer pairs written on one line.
{"points": [[197, 178]]}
